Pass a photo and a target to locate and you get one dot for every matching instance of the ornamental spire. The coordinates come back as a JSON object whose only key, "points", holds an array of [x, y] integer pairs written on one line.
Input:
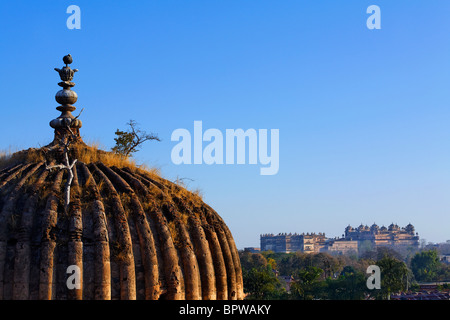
{"points": [[67, 127]]}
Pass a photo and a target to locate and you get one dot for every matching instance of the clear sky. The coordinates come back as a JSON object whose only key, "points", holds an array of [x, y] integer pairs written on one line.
{"points": [[363, 114]]}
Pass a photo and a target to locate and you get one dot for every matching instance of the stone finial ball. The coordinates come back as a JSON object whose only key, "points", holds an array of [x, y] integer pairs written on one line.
{"points": [[66, 96], [68, 59]]}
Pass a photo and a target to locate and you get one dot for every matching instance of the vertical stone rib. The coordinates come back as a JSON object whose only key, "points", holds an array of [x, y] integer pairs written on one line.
{"points": [[86, 199], [218, 261], [229, 265], [233, 250], [102, 264], [75, 244], [22, 263], [188, 259], [2, 266], [140, 235], [201, 250], [236, 262], [48, 240], [204, 258], [5, 216], [127, 271], [173, 276], [114, 246], [215, 221], [146, 237], [173, 280]]}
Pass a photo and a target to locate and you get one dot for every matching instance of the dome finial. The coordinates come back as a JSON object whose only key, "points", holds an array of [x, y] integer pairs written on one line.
{"points": [[67, 59], [66, 73], [66, 125]]}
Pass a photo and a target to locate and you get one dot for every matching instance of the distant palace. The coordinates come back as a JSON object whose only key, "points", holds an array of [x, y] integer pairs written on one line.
{"points": [[353, 241]]}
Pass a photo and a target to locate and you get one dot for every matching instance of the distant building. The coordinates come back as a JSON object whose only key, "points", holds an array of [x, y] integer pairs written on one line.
{"points": [[445, 258], [393, 236], [307, 243], [353, 241], [342, 246], [288, 242]]}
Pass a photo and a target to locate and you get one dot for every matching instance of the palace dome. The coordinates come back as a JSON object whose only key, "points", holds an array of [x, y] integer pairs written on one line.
{"points": [[131, 233]]}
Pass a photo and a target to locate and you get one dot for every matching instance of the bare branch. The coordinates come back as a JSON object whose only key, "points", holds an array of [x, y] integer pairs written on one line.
{"points": [[56, 166], [73, 163], [79, 114], [66, 166]]}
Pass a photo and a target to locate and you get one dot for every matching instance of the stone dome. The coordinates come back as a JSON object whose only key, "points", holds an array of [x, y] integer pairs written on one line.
{"points": [[130, 233], [133, 234]]}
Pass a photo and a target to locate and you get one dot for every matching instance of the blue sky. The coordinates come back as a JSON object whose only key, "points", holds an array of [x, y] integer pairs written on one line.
{"points": [[363, 114]]}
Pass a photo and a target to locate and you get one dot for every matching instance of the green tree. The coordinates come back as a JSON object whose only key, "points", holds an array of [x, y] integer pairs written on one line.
{"points": [[350, 285], [272, 263], [262, 284], [291, 263], [329, 264], [380, 252], [306, 284], [443, 272], [251, 260], [348, 270], [394, 275], [128, 142], [425, 265]]}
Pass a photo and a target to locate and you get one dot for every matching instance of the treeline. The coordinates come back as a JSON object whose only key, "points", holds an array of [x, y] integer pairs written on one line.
{"points": [[269, 275]]}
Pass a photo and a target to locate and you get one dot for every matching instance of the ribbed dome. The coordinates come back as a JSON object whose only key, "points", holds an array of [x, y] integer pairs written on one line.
{"points": [[133, 234]]}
